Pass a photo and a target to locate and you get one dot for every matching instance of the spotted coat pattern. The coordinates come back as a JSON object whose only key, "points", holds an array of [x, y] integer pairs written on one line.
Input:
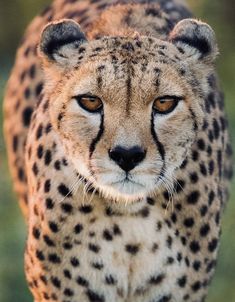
{"points": [[83, 248]]}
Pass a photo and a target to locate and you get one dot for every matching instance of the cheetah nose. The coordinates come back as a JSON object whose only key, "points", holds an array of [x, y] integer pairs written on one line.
{"points": [[127, 159]]}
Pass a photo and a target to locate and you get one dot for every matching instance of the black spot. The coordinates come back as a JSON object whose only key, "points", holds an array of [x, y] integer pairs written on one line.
{"points": [[53, 227], [40, 255], [65, 162], [159, 226], [57, 165], [68, 292], [78, 228], [45, 106], [155, 280], [144, 212], [64, 190], [196, 286], [39, 131], [56, 282], [194, 247], [74, 261], [187, 262], [195, 155], [86, 209], [173, 218], [40, 152], [54, 258], [210, 136], [201, 144], [47, 158], [43, 279], [116, 230], [155, 247], [48, 128], [170, 260], [38, 89], [67, 246], [35, 169], [211, 197], [47, 186], [182, 281], [94, 248], [107, 235], [21, 175], [196, 265], [151, 201], [66, 207], [82, 281], [212, 245], [15, 143], [203, 210], [32, 71], [49, 203], [97, 265], [36, 233], [27, 93], [189, 222], [179, 257], [210, 266], [110, 280], [204, 230], [67, 274], [203, 169], [183, 240], [211, 167], [94, 296], [132, 249], [26, 116], [169, 242], [193, 197], [178, 206], [179, 185], [184, 164], [48, 240], [164, 299], [216, 129]]}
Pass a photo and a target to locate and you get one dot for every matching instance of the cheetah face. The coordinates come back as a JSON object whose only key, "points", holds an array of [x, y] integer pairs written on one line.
{"points": [[127, 109]]}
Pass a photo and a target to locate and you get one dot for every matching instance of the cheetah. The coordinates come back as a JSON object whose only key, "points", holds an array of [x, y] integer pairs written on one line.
{"points": [[119, 151]]}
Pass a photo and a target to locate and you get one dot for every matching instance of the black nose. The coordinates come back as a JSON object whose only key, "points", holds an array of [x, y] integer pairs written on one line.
{"points": [[127, 159]]}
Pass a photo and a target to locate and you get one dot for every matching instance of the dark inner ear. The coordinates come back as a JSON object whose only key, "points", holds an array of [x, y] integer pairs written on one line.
{"points": [[197, 42], [195, 38], [56, 35]]}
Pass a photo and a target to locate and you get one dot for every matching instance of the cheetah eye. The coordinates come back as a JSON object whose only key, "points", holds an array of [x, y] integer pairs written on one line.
{"points": [[166, 104], [90, 103]]}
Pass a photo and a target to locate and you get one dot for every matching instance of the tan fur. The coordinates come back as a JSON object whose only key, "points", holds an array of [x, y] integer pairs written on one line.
{"points": [[92, 236]]}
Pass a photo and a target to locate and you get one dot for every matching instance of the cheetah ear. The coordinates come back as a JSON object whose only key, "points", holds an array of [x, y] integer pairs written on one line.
{"points": [[60, 42], [195, 39]]}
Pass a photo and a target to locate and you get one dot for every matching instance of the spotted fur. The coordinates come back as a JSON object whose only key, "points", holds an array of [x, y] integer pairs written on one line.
{"points": [[93, 235]]}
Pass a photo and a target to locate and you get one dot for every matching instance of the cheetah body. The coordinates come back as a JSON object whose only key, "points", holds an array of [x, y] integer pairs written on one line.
{"points": [[83, 247]]}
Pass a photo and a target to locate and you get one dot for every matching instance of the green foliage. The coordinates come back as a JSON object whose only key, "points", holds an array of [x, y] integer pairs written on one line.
{"points": [[14, 15]]}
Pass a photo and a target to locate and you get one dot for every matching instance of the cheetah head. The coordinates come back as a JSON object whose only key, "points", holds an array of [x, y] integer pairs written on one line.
{"points": [[127, 109]]}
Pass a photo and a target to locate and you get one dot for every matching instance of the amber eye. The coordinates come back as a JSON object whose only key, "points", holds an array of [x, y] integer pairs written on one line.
{"points": [[89, 103], [166, 104]]}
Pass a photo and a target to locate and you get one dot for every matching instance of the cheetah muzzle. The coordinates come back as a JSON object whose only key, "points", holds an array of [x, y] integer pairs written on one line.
{"points": [[118, 146]]}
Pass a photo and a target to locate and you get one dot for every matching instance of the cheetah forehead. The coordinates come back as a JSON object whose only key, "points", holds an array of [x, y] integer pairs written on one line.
{"points": [[137, 47]]}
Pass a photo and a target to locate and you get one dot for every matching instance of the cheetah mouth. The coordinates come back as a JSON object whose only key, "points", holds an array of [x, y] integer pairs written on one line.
{"points": [[126, 180], [124, 190]]}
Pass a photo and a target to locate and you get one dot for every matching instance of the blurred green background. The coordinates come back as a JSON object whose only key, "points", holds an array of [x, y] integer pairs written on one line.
{"points": [[14, 16]]}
